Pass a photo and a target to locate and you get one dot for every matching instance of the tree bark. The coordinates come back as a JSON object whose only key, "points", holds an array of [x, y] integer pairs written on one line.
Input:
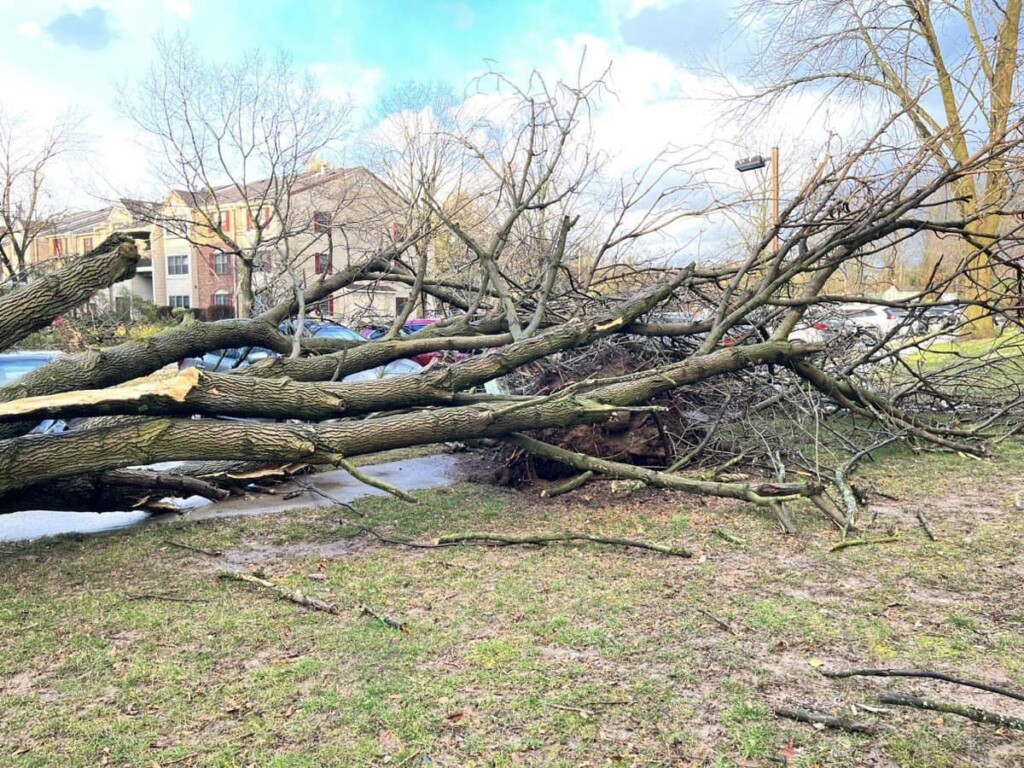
{"points": [[199, 393], [35, 305], [39, 458], [110, 366]]}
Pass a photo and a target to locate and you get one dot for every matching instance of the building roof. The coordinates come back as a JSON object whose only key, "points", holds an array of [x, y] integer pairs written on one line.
{"points": [[231, 194], [80, 222]]}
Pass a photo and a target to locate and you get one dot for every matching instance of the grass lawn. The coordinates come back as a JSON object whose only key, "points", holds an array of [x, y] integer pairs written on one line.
{"points": [[567, 655]]}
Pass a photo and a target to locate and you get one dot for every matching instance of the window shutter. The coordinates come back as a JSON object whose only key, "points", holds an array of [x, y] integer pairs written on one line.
{"points": [[248, 219]]}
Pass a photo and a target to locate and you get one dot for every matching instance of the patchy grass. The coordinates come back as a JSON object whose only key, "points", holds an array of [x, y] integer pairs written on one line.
{"points": [[558, 656]]}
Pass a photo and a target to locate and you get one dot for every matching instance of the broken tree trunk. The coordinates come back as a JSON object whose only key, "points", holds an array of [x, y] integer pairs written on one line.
{"points": [[199, 393], [38, 458], [108, 367], [35, 305]]}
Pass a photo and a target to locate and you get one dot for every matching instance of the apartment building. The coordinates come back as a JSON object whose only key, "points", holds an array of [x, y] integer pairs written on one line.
{"points": [[76, 233], [330, 219]]}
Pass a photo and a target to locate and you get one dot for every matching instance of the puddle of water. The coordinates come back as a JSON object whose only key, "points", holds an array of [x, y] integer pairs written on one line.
{"points": [[410, 475]]}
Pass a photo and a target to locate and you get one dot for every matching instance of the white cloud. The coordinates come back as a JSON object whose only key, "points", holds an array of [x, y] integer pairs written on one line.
{"points": [[29, 29], [180, 8]]}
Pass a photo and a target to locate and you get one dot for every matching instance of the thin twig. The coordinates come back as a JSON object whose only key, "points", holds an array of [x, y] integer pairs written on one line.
{"points": [[500, 538], [295, 597], [570, 485], [717, 620], [384, 619], [310, 488], [924, 673], [862, 542], [839, 723], [375, 482], [565, 708], [207, 552], [168, 598], [726, 536], [925, 524]]}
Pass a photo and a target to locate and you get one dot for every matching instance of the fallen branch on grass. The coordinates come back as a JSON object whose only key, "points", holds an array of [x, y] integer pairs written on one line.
{"points": [[197, 550], [726, 536], [923, 673], [839, 723], [384, 619], [374, 482], [954, 708], [570, 485], [862, 542], [762, 494], [926, 525], [500, 538], [717, 620], [294, 597], [168, 598]]}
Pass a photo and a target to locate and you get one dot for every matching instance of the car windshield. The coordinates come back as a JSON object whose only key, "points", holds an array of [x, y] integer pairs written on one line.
{"points": [[335, 331]]}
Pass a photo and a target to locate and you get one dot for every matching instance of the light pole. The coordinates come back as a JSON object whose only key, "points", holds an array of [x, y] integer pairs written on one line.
{"points": [[755, 163]]}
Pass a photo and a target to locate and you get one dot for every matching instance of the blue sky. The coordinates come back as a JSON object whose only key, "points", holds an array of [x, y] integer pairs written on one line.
{"points": [[76, 53], [91, 44]]}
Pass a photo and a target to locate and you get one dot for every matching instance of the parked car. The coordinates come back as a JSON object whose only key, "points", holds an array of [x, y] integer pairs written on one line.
{"points": [[237, 359], [942, 317], [14, 365], [874, 321], [227, 359], [375, 332], [322, 329]]}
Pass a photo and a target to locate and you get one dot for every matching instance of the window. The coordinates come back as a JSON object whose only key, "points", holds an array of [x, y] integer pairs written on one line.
{"points": [[58, 246], [179, 301], [221, 264], [225, 221], [86, 245], [321, 263], [177, 265], [400, 302], [221, 305], [322, 221]]}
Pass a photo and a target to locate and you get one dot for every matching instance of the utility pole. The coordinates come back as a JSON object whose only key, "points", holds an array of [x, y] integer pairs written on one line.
{"points": [[775, 199]]}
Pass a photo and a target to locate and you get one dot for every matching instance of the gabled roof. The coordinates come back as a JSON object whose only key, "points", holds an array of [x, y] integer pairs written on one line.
{"points": [[231, 194], [79, 222]]}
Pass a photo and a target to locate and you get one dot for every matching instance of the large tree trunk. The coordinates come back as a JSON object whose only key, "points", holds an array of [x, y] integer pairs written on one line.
{"points": [[36, 459], [35, 305], [107, 367]]}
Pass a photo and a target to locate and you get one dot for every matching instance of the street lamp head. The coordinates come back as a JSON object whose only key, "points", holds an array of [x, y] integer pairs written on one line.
{"points": [[750, 163]]}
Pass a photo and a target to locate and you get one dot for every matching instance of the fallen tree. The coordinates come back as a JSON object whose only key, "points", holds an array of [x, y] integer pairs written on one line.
{"points": [[562, 323]]}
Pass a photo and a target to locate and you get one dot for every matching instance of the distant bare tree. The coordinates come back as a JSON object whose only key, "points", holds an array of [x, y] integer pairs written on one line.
{"points": [[952, 68], [224, 134], [27, 160]]}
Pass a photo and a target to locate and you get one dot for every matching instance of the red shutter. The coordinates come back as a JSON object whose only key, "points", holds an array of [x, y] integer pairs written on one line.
{"points": [[248, 219], [266, 215]]}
